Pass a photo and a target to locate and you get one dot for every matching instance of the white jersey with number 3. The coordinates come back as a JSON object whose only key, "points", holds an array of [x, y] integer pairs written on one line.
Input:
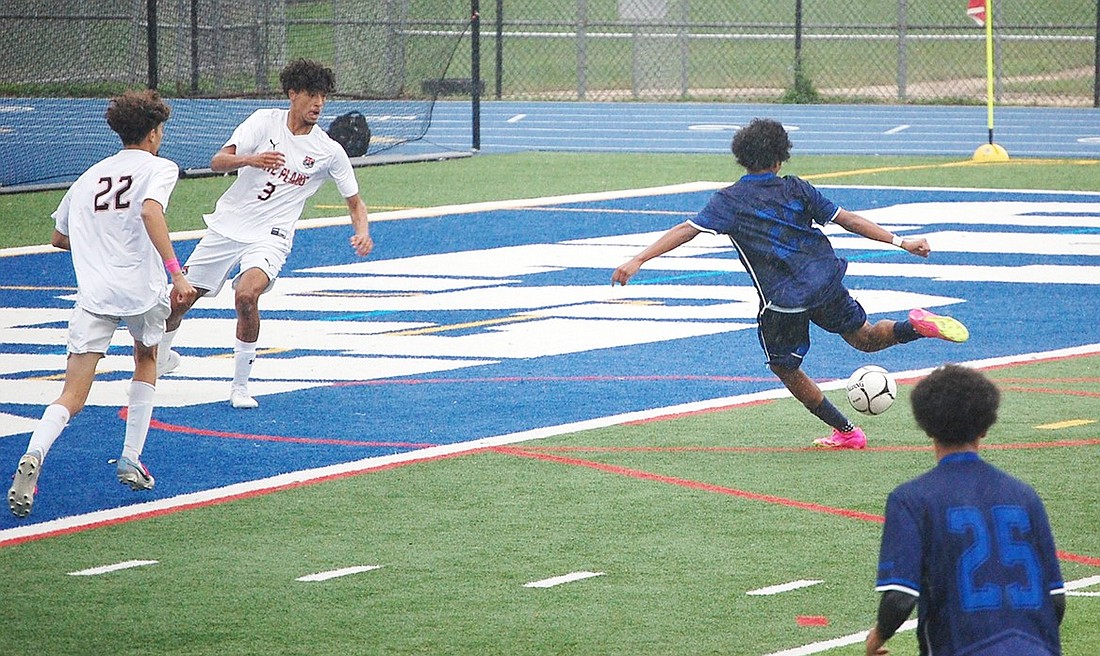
{"points": [[118, 270], [262, 202]]}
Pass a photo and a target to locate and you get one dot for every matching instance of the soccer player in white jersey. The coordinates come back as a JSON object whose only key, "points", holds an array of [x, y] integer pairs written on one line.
{"points": [[281, 157], [112, 220]]}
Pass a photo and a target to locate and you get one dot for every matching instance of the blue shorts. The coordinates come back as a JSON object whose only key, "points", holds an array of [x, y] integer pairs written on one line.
{"points": [[785, 336]]}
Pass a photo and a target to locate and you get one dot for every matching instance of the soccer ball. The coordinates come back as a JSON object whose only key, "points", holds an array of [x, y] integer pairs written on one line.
{"points": [[871, 390]]}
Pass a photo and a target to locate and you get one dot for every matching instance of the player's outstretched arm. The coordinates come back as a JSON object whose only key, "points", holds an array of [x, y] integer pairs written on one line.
{"points": [[859, 225], [677, 236], [361, 241]]}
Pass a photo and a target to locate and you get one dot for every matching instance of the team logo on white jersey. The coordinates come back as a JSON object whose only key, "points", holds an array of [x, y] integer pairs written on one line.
{"points": [[308, 162]]}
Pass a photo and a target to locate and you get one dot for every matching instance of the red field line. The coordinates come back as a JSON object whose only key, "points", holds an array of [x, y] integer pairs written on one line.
{"points": [[695, 413], [791, 449], [204, 432], [683, 482], [1050, 390], [1047, 380], [719, 489]]}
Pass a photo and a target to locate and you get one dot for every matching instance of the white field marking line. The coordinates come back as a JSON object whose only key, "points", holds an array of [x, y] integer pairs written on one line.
{"points": [[900, 128], [564, 578], [442, 210], [909, 625], [1072, 587], [469, 208], [843, 641], [337, 573], [272, 483], [783, 587], [607, 210], [107, 569], [1032, 192], [517, 118]]}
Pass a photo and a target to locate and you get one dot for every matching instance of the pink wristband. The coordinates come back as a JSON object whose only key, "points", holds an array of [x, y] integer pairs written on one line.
{"points": [[173, 266]]}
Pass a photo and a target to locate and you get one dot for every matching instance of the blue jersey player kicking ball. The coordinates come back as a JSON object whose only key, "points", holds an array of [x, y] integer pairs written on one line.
{"points": [[798, 277], [966, 543]]}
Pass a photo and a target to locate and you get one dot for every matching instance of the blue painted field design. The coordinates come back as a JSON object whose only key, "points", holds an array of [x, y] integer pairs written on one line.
{"points": [[488, 323]]}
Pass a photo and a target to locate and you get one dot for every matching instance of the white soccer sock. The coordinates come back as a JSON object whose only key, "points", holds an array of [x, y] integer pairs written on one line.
{"points": [[138, 415], [165, 345], [244, 354], [53, 421]]}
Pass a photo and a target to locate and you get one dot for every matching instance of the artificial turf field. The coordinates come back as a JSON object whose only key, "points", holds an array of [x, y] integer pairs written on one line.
{"points": [[681, 516]]}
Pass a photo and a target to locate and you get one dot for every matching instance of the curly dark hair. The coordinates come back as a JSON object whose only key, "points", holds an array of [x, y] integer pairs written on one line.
{"points": [[135, 114], [309, 76], [955, 405], [761, 144]]}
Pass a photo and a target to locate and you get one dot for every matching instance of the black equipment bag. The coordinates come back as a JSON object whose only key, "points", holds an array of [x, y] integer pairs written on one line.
{"points": [[352, 132]]}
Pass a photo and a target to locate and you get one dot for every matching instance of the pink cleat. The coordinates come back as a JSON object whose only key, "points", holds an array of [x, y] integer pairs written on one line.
{"points": [[854, 439], [933, 325]]}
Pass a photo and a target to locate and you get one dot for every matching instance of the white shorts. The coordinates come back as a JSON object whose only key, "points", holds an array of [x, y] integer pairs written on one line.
{"points": [[216, 256], [92, 333]]}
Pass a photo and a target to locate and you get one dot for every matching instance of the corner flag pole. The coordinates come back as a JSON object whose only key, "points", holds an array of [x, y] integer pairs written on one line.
{"points": [[989, 65], [989, 152]]}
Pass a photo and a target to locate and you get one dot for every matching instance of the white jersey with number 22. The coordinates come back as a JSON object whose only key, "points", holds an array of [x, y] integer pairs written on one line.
{"points": [[262, 202], [118, 270]]}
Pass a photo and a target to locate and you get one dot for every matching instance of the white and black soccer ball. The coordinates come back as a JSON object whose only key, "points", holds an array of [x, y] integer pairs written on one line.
{"points": [[872, 390]]}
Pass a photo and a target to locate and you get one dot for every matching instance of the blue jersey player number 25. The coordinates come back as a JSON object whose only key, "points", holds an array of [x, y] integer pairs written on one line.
{"points": [[967, 543]]}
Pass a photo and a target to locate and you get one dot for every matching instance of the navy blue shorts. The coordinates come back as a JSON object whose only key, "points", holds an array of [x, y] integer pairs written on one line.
{"points": [[785, 336]]}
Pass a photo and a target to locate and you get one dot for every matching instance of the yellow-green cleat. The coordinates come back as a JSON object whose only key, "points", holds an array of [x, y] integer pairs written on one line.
{"points": [[940, 327]]}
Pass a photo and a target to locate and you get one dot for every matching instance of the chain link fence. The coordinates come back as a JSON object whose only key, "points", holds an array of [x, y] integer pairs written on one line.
{"points": [[902, 51], [225, 48], [907, 51]]}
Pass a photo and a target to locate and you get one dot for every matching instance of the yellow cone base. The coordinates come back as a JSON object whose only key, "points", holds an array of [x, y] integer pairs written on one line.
{"points": [[990, 153]]}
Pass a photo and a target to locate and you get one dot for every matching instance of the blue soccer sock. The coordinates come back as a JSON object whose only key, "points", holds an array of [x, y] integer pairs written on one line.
{"points": [[828, 413], [904, 332]]}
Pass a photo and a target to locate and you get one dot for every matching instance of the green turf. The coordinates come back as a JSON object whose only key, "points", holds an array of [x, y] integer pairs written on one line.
{"points": [[458, 538], [25, 218]]}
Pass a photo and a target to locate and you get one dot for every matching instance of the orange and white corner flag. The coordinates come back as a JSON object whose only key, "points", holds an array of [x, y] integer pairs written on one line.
{"points": [[976, 10]]}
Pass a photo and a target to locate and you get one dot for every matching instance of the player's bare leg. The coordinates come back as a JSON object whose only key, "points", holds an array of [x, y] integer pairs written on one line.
{"points": [[872, 337], [846, 435], [79, 374], [920, 323], [801, 386]]}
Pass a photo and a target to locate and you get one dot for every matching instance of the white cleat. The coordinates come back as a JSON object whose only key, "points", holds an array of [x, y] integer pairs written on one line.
{"points": [[169, 364], [134, 475], [24, 484], [239, 398]]}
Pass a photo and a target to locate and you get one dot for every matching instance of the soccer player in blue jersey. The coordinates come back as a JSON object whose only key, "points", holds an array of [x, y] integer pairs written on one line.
{"points": [[798, 277], [966, 543]]}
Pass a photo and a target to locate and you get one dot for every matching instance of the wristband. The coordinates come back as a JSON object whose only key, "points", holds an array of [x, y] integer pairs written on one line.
{"points": [[173, 266], [897, 241]]}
